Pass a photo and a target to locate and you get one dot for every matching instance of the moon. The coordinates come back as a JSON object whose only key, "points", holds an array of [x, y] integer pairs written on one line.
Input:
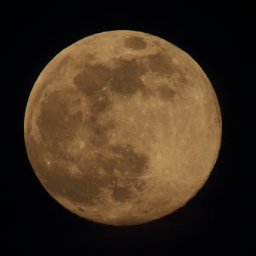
{"points": [[122, 128]]}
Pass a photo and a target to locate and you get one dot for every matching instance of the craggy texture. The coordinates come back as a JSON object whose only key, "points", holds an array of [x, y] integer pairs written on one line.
{"points": [[122, 128]]}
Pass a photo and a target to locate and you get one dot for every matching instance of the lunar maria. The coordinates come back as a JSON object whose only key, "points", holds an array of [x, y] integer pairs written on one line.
{"points": [[122, 128]]}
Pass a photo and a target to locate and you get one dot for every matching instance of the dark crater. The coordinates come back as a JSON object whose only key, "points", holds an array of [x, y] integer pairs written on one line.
{"points": [[135, 43], [163, 65]]}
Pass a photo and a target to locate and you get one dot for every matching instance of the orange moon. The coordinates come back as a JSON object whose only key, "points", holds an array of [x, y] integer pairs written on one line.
{"points": [[122, 128]]}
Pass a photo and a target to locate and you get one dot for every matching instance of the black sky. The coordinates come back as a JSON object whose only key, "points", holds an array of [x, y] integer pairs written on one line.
{"points": [[212, 220]]}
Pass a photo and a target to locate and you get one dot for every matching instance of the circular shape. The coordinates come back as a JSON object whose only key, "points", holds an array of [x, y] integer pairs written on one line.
{"points": [[122, 128]]}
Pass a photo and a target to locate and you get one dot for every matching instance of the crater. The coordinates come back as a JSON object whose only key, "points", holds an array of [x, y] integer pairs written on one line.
{"points": [[135, 43]]}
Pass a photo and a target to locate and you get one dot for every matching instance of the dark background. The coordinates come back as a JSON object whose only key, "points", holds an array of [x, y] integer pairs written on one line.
{"points": [[212, 220]]}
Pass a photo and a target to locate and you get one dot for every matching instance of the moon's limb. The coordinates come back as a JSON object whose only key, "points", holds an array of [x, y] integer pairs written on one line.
{"points": [[122, 127]]}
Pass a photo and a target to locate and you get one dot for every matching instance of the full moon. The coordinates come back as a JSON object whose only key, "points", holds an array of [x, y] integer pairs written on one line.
{"points": [[122, 128]]}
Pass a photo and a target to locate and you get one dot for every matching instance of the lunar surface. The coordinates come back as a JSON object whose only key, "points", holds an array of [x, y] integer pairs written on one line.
{"points": [[122, 128]]}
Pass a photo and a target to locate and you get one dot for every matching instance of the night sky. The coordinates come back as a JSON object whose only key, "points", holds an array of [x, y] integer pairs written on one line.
{"points": [[209, 222]]}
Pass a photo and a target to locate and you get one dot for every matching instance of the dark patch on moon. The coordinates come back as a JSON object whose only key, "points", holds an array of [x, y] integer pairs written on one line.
{"points": [[125, 79], [85, 188], [92, 79], [160, 63], [99, 104], [56, 177], [129, 161], [135, 43], [165, 92], [100, 132], [131, 165], [57, 125], [77, 102], [164, 65], [77, 189], [91, 82], [121, 194]]}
